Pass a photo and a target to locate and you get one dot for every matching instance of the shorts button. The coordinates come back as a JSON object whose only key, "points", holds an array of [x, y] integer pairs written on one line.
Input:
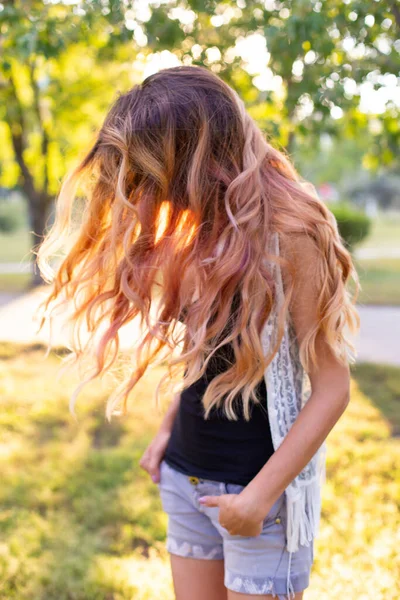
{"points": [[277, 520], [194, 480]]}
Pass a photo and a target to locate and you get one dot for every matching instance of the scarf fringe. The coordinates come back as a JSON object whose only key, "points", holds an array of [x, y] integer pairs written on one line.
{"points": [[304, 507]]}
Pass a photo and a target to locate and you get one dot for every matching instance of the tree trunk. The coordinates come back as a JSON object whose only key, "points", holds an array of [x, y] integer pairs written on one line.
{"points": [[38, 210], [37, 196]]}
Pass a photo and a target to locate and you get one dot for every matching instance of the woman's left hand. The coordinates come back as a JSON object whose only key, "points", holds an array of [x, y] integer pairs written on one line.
{"points": [[238, 514]]}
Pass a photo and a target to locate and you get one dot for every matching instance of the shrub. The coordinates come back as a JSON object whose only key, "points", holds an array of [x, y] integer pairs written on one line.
{"points": [[354, 225]]}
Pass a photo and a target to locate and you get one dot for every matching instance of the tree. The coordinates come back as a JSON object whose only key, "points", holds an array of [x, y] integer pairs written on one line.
{"points": [[56, 81], [61, 65]]}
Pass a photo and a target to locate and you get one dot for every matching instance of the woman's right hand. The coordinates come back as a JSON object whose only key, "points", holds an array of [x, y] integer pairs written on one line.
{"points": [[154, 453]]}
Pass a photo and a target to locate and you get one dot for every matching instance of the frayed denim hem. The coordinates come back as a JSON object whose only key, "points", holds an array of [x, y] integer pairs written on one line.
{"points": [[185, 549], [266, 585]]}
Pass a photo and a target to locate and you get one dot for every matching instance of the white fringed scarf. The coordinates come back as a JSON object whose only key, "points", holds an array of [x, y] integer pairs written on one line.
{"points": [[288, 389]]}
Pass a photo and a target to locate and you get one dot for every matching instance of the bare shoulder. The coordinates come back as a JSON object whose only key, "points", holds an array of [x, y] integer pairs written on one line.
{"points": [[298, 245], [315, 304], [303, 255]]}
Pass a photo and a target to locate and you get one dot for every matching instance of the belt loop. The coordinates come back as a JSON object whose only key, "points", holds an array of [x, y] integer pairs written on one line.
{"points": [[223, 487]]}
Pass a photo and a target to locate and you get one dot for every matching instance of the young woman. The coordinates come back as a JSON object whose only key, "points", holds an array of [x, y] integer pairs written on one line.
{"points": [[188, 204]]}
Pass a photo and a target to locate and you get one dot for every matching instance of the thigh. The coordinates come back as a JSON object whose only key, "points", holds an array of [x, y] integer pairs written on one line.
{"points": [[194, 544], [196, 579]]}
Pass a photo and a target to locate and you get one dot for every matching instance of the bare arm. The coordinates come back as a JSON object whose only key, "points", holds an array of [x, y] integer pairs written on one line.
{"points": [[330, 385], [153, 455]]}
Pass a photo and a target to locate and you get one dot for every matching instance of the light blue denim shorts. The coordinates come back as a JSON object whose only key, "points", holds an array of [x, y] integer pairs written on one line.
{"points": [[252, 564]]}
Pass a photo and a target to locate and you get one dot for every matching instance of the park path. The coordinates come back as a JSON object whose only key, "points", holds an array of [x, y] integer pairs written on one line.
{"points": [[19, 321], [377, 341], [379, 337]]}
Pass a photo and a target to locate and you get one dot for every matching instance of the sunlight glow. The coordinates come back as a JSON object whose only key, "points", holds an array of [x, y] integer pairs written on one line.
{"points": [[185, 228], [162, 220], [253, 50]]}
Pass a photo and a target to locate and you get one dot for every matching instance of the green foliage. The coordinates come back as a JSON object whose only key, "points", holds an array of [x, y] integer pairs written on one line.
{"points": [[60, 69], [354, 225], [62, 64]]}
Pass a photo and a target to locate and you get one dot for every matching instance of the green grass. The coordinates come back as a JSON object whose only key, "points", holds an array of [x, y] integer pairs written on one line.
{"points": [[14, 282], [382, 384], [79, 520], [380, 277], [15, 246], [385, 232], [380, 281]]}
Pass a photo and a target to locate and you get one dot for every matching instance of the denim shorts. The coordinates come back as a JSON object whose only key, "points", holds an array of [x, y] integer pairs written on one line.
{"points": [[252, 564]]}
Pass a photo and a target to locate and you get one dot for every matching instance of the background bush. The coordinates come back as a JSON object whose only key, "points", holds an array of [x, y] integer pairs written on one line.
{"points": [[354, 224]]}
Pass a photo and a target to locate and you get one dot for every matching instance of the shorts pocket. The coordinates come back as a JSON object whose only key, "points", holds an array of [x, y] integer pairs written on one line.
{"points": [[275, 514], [162, 470]]}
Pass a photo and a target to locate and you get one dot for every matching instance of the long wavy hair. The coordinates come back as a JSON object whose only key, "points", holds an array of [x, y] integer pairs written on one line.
{"points": [[171, 212]]}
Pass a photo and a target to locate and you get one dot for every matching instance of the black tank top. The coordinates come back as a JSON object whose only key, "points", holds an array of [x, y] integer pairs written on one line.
{"points": [[219, 448]]}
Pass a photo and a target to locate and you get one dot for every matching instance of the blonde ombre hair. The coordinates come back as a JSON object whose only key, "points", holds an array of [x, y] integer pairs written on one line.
{"points": [[181, 194]]}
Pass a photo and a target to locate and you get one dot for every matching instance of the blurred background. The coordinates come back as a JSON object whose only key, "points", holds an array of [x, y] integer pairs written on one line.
{"points": [[78, 518]]}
